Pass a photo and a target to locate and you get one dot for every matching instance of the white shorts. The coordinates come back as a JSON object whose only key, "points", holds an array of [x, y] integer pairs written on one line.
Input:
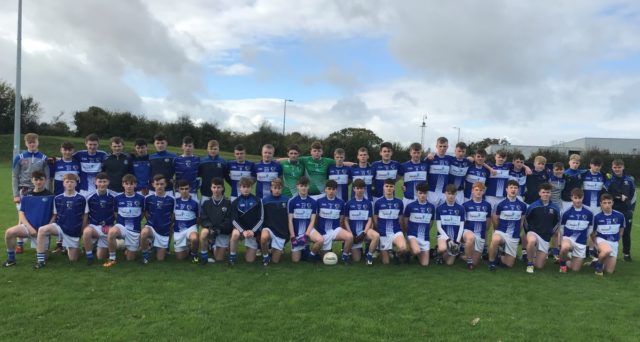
{"points": [[329, 237], [276, 241], [159, 241], [566, 206], [578, 250], [67, 241], [113, 193], [33, 238], [406, 201], [494, 201], [594, 210], [180, 239], [424, 245], [460, 197], [222, 241], [435, 198], [86, 193], [317, 197], [543, 246], [167, 193], [478, 242], [612, 244], [298, 248], [510, 244], [250, 242], [102, 236], [232, 198], [386, 242], [131, 238]]}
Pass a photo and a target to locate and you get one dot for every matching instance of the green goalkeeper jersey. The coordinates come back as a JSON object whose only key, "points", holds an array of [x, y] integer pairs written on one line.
{"points": [[291, 172], [317, 171]]}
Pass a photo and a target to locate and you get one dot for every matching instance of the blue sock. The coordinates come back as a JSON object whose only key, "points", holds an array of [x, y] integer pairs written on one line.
{"points": [[529, 263], [21, 243], [204, 254], [146, 254], [193, 254], [11, 254], [89, 255], [40, 257]]}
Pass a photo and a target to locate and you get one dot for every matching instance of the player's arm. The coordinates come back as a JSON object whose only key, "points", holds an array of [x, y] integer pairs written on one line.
{"points": [[258, 224], [290, 221], [440, 229], [494, 221], [527, 170], [461, 228], [205, 221], [403, 223], [345, 223], [312, 223], [491, 170], [23, 219], [234, 217], [85, 220], [53, 218]]}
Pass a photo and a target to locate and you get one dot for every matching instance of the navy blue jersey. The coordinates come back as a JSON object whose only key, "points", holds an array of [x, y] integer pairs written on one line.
{"points": [[301, 210], [519, 176], [532, 185], [101, 209], [162, 163], [577, 224], [542, 219], [358, 213], [476, 215], [383, 171], [129, 211], [438, 172], [474, 174], [592, 185], [458, 171], [414, 174], [264, 173], [186, 167], [185, 213], [388, 212], [116, 166], [497, 184], [90, 166], [61, 168], [450, 218], [70, 212], [366, 174], [276, 215], [159, 212], [510, 214], [340, 174], [573, 180], [210, 168], [328, 214], [141, 168], [247, 213], [37, 207], [607, 226], [557, 185], [618, 186], [419, 218], [236, 170]]}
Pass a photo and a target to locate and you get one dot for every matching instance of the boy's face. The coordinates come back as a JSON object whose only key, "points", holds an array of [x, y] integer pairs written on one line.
{"points": [[450, 196], [595, 168], [129, 187], [116, 148], [92, 146], [160, 145], [577, 201], [477, 193], [545, 195], [460, 153], [66, 154], [558, 172], [245, 190], [331, 192], [184, 191], [500, 159], [339, 158], [389, 190], [441, 148], [293, 155], [217, 190], [359, 192], [606, 205], [512, 190], [574, 164], [617, 169], [102, 184], [187, 149], [518, 164], [539, 166], [303, 189], [363, 157], [480, 159], [276, 190], [422, 196], [38, 183], [415, 155], [240, 155], [141, 150], [385, 153], [160, 185], [69, 185], [213, 150], [267, 154], [32, 145], [316, 153]]}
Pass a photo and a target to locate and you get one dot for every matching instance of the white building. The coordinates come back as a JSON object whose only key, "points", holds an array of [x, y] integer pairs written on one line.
{"points": [[613, 145]]}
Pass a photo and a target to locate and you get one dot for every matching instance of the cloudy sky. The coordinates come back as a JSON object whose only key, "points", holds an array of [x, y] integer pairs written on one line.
{"points": [[537, 72]]}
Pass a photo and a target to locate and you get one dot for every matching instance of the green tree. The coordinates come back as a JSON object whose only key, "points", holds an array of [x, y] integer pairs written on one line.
{"points": [[30, 110]]}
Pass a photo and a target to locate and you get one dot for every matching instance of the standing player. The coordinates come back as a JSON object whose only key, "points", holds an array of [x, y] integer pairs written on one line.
{"points": [[162, 161], [541, 222], [341, 174], [186, 166], [573, 179], [538, 175], [519, 172], [477, 220], [329, 218], [458, 170], [557, 181], [577, 225], [24, 164], [70, 211], [384, 169], [212, 166], [158, 208], [101, 205], [292, 170], [608, 225], [90, 164], [450, 223], [185, 226], [358, 214], [275, 231], [302, 217], [496, 184], [362, 170], [477, 172], [116, 165], [237, 169], [63, 165], [507, 223], [438, 173], [141, 167], [316, 167], [415, 172], [622, 188], [247, 216], [265, 171], [592, 184], [215, 219], [386, 216], [417, 220]]}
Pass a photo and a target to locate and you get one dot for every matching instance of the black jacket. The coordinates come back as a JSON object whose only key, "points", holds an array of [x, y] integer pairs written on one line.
{"points": [[217, 216], [116, 166]]}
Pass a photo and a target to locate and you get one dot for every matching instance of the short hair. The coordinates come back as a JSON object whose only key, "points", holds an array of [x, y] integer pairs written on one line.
{"points": [[339, 151], [183, 182], [442, 140], [415, 147], [303, 180], [37, 174], [116, 140], [187, 140], [461, 145], [545, 186], [574, 156], [501, 153], [268, 147], [246, 181], [597, 161], [451, 189], [387, 145], [67, 145], [217, 181], [479, 185], [129, 178], [91, 137], [577, 192], [331, 184], [390, 181], [540, 159], [358, 183], [141, 142], [159, 176], [239, 147], [363, 149], [70, 176], [617, 162], [277, 182], [316, 145], [422, 187], [294, 147], [213, 143], [102, 175], [159, 137], [606, 196], [558, 165], [482, 152], [512, 182], [518, 156], [30, 137]]}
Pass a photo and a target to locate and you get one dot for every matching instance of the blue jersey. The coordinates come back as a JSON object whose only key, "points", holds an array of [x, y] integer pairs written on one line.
{"points": [[414, 174], [519, 176], [592, 184], [557, 186], [358, 214], [301, 210], [476, 215], [185, 214], [419, 217], [474, 174], [328, 214], [450, 219], [162, 163], [366, 174], [341, 175], [438, 176], [235, 171], [37, 207], [141, 168], [264, 173], [458, 171], [383, 171], [542, 219], [497, 184], [577, 224], [70, 212], [129, 210], [510, 214], [90, 166], [61, 168], [159, 211], [101, 209], [388, 212], [186, 167], [210, 167], [607, 226]]}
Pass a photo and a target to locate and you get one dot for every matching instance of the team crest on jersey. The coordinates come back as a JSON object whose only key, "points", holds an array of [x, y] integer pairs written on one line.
{"points": [[551, 211], [126, 162], [615, 220], [189, 207], [337, 205], [103, 204], [283, 205], [188, 163], [166, 160], [159, 205], [136, 203], [395, 205], [584, 217], [45, 199], [456, 212], [218, 165], [69, 204], [224, 209]]}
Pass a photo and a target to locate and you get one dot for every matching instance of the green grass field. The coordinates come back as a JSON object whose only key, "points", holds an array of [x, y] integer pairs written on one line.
{"points": [[179, 300]]}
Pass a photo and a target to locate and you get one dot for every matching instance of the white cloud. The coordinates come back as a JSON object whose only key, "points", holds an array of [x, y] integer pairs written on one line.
{"points": [[235, 69]]}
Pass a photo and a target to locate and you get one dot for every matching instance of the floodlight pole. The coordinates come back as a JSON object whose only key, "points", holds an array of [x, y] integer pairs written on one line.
{"points": [[18, 103], [284, 114], [422, 127], [458, 128]]}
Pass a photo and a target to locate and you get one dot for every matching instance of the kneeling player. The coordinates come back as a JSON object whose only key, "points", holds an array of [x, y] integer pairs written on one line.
{"points": [[477, 219], [329, 214], [276, 226], [450, 223], [70, 210], [507, 223], [302, 217], [608, 226], [576, 226], [418, 216], [158, 208], [215, 219], [358, 214], [101, 206], [386, 215], [247, 215], [185, 226], [541, 222]]}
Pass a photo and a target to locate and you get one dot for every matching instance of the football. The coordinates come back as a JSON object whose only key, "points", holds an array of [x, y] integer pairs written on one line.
{"points": [[330, 258], [120, 244]]}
